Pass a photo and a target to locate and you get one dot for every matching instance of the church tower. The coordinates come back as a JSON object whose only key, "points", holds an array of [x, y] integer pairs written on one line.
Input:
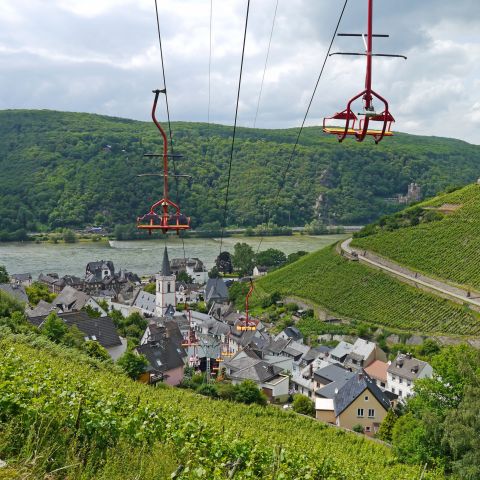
{"points": [[165, 289]]}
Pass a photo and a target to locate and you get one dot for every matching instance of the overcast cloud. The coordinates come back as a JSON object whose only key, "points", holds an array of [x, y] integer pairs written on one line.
{"points": [[102, 56]]}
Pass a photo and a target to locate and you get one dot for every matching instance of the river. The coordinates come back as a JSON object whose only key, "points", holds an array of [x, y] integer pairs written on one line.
{"points": [[141, 257]]}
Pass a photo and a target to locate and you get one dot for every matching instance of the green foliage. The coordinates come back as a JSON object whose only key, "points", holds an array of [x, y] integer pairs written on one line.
{"points": [[315, 227], [270, 258], [60, 158], [54, 328], [92, 312], [184, 277], [56, 405], [243, 258], [355, 291], [74, 337], [386, 427], [131, 327], [410, 440], [248, 392], [302, 404], [214, 273], [39, 291], [208, 390], [95, 350], [69, 236], [358, 428], [237, 293], [133, 365], [9, 304], [4, 277], [151, 288], [447, 248]]}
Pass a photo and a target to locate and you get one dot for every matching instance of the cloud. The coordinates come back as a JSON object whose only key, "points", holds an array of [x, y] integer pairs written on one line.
{"points": [[103, 57]]}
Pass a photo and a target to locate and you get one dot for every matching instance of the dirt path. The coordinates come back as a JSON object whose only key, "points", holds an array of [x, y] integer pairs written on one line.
{"points": [[416, 279]]}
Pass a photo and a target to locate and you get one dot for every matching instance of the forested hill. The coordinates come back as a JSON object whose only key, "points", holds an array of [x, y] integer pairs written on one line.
{"points": [[73, 169]]}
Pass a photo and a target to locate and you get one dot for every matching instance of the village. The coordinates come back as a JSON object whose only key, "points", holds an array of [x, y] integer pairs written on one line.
{"points": [[351, 385]]}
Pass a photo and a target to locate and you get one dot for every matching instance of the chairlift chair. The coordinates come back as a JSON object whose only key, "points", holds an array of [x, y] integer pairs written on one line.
{"points": [[344, 123], [246, 324]]}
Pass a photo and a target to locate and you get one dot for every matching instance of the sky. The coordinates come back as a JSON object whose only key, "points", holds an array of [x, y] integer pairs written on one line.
{"points": [[102, 56]]}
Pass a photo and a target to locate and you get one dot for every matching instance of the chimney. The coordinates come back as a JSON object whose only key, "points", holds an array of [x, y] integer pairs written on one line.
{"points": [[360, 376], [409, 356], [311, 370]]}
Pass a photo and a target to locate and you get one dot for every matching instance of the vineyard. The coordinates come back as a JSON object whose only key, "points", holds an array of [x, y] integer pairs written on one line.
{"points": [[72, 418], [349, 289], [447, 249]]}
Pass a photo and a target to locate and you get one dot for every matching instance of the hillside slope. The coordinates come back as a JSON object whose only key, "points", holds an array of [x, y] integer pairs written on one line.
{"points": [[96, 423], [448, 247], [353, 290], [72, 169]]}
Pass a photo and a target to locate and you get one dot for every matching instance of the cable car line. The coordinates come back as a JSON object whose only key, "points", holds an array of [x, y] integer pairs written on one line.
{"points": [[266, 63], [225, 211], [294, 149]]}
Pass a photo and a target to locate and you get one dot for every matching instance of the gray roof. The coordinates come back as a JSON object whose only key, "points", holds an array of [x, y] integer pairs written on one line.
{"points": [[406, 366], [42, 308], [21, 277], [363, 347], [332, 373], [166, 271], [354, 388], [259, 371], [216, 290], [341, 350], [16, 291], [48, 279], [71, 298], [145, 301], [164, 352], [293, 332], [315, 352]]}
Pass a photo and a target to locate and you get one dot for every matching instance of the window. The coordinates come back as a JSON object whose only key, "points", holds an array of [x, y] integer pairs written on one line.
{"points": [[367, 429], [371, 413], [409, 383], [359, 412], [94, 337], [86, 338], [393, 390], [366, 398], [399, 393], [168, 287], [393, 378], [382, 384], [400, 380]]}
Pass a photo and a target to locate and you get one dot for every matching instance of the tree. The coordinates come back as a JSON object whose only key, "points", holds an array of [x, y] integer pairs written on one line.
{"points": [[4, 277], [184, 277], [248, 392], [54, 328], [410, 441], [293, 257], [95, 350], [302, 404], [270, 258], [214, 273], [69, 236], [243, 258], [150, 288], [74, 337], [208, 390], [224, 263], [358, 428], [132, 364], [38, 291], [386, 427]]}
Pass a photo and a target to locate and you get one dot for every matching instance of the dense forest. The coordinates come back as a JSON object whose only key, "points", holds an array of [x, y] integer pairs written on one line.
{"points": [[73, 169]]}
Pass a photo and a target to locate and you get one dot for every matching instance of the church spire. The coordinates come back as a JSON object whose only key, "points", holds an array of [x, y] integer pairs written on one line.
{"points": [[165, 271]]}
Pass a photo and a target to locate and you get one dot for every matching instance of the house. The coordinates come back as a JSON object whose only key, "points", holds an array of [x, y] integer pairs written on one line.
{"points": [[377, 371], [49, 280], [330, 379], [145, 302], [24, 279], [340, 352], [186, 293], [42, 308], [68, 280], [260, 271], [403, 372], [358, 402], [16, 291], [101, 330], [290, 332], [216, 291], [363, 353], [194, 267], [246, 365], [70, 300], [164, 352], [102, 276]]}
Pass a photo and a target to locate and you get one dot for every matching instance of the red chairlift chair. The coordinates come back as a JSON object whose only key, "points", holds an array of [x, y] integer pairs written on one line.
{"points": [[169, 218], [344, 123], [247, 324]]}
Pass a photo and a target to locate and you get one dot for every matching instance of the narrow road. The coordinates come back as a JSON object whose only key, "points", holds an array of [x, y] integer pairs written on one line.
{"points": [[419, 280]]}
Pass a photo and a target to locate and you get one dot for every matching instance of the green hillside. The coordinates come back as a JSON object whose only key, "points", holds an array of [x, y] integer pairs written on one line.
{"points": [[57, 171], [447, 247], [353, 290], [61, 413]]}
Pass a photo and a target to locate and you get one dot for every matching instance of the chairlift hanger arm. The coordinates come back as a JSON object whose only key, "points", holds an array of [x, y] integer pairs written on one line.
{"points": [[162, 175], [372, 54], [375, 35]]}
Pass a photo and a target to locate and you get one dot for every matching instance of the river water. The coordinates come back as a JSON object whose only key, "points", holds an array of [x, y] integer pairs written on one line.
{"points": [[141, 257]]}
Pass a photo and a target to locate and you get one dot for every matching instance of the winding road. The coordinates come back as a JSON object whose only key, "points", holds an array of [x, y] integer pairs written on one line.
{"points": [[411, 277]]}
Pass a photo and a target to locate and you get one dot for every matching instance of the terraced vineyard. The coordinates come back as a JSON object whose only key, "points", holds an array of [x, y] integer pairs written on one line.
{"points": [[84, 420], [448, 249], [356, 291]]}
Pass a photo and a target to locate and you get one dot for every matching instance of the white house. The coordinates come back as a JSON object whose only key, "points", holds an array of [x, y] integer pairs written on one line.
{"points": [[403, 372]]}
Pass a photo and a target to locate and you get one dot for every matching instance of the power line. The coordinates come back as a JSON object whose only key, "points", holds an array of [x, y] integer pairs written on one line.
{"points": [[210, 64], [284, 176], [266, 63], [225, 211]]}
